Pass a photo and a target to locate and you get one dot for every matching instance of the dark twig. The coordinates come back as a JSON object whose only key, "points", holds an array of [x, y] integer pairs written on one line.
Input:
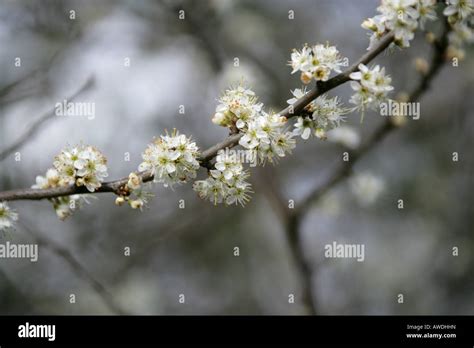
{"points": [[78, 268], [48, 115]]}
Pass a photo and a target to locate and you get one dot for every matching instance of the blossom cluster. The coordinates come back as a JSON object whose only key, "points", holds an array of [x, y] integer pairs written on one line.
{"points": [[460, 17], [82, 165], [371, 86], [236, 107], [226, 183], [322, 115], [7, 217], [316, 62], [171, 158], [63, 206], [402, 17], [267, 136], [263, 132], [264, 135]]}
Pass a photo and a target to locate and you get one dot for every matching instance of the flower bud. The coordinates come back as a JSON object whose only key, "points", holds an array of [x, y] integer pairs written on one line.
{"points": [[218, 119], [119, 201], [369, 24], [306, 77], [134, 181], [320, 133], [421, 65], [136, 204], [62, 211]]}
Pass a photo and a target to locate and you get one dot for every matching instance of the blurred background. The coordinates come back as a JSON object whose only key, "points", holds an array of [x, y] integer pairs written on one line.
{"points": [[146, 64]]}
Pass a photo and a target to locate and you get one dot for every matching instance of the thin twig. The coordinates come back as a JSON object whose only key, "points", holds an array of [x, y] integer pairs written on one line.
{"points": [[48, 115], [77, 268], [8, 281]]}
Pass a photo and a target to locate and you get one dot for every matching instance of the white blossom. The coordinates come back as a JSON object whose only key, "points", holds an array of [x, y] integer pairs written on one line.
{"points": [[140, 197], [266, 134], [255, 134], [171, 159], [226, 183], [460, 17], [316, 62], [81, 165], [67, 205], [263, 132], [366, 187], [402, 17], [371, 87], [64, 206], [345, 135], [228, 166], [298, 93], [7, 217], [304, 126], [426, 10], [459, 9], [301, 61], [236, 107], [323, 114], [51, 179], [281, 144]]}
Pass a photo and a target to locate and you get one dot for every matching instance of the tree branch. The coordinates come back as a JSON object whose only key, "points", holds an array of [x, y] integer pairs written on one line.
{"points": [[386, 128], [77, 268], [40, 121], [10, 283], [210, 153], [294, 221]]}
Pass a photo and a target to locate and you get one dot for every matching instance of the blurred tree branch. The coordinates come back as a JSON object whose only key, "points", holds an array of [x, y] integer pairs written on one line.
{"points": [[19, 89], [77, 268], [293, 217], [26, 299], [36, 125]]}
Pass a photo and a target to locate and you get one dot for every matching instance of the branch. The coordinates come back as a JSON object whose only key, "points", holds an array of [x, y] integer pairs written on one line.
{"points": [[80, 270], [294, 234], [295, 249], [300, 104], [40, 73], [10, 283], [40, 121], [210, 153], [381, 133]]}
